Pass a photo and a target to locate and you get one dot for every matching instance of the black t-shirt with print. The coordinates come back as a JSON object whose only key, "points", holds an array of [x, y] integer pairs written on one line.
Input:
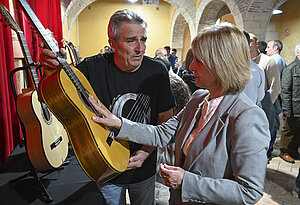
{"points": [[138, 96]]}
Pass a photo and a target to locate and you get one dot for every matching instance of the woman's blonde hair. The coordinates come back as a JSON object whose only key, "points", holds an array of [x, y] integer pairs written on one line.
{"points": [[224, 50]]}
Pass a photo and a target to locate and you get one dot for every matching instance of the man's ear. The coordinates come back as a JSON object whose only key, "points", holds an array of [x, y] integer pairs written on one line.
{"points": [[275, 48], [112, 44]]}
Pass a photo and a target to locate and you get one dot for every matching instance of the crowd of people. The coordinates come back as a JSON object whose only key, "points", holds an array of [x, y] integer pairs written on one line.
{"points": [[216, 114]]}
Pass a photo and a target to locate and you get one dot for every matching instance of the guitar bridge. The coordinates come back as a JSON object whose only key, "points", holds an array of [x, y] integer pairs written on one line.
{"points": [[110, 138], [56, 143]]}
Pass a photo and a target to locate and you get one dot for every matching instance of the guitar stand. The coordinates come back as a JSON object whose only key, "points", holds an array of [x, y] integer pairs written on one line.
{"points": [[33, 172]]}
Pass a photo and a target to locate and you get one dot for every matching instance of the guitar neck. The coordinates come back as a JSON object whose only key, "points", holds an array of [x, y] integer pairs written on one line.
{"points": [[28, 59], [50, 44]]}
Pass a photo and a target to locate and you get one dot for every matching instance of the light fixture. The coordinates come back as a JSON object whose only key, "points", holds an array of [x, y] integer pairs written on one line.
{"points": [[277, 11], [132, 1]]}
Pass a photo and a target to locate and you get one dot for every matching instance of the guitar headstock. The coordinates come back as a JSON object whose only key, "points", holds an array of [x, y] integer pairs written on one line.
{"points": [[9, 19]]}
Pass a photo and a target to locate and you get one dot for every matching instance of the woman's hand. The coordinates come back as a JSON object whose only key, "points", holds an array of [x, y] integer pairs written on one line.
{"points": [[172, 175], [106, 118]]}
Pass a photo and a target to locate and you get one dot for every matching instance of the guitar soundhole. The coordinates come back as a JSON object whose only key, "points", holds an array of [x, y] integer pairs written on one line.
{"points": [[85, 101], [46, 115]]}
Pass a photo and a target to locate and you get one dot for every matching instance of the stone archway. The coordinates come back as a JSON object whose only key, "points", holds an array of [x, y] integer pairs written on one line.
{"points": [[73, 10], [209, 11], [178, 34]]}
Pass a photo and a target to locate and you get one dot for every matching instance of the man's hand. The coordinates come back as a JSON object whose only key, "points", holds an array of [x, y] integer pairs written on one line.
{"points": [[48, 59], [138, 158], [173, 176]]}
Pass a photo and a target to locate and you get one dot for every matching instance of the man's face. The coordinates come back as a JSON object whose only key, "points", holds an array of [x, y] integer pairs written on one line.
{"points": [[253, 43], [130, 46], [271, 50], [162, 52]]}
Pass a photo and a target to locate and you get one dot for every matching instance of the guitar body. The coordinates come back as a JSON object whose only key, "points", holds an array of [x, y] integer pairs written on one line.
{"points": [[100, 160], [46, 140]]}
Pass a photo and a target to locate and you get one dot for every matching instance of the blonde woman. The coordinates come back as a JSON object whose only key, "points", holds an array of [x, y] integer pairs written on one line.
{"points": [[221, 136]]}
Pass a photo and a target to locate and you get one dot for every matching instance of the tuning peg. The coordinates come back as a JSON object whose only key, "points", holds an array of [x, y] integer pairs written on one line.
{"points": [[31, 28], [5, 26], [1, 20]]}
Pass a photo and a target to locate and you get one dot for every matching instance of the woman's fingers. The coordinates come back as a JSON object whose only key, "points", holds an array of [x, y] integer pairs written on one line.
{"points": [[106, 118]]}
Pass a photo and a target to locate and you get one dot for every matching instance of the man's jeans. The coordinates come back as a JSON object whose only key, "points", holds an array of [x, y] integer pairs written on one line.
{"points": [[139, 193]]}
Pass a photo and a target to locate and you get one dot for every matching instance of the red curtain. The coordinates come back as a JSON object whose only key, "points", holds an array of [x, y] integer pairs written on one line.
{"points": [[10, 134], [49, 13]]}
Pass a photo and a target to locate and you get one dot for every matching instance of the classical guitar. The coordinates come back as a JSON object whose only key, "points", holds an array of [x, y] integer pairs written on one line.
{"points": [[73, 52], [66, 94], [46, 139]]}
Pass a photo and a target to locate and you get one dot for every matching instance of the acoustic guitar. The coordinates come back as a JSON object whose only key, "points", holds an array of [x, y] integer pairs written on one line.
{"points": [[46, 139], [73, 52], [66, 94]]}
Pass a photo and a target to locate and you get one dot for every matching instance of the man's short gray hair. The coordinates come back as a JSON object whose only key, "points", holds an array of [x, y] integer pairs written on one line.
{"points": [[279, 45], [121, 16]]}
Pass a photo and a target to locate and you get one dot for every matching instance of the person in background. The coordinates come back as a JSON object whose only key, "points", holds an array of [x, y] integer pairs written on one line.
{"points": [[262, 45], [290, 95], [187, 75], [255, 89], [177, 60], [274, 49], [272, 88], [221, 137], [161, 52], [180, 88], [171, 58], [120, 78]]}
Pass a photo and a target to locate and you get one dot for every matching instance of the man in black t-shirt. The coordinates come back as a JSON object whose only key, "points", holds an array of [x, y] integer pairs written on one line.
{"points": [[133, 86]]}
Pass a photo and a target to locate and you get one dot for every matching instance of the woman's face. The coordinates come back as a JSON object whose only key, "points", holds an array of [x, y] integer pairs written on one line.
{"points": [[203, 77]]}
